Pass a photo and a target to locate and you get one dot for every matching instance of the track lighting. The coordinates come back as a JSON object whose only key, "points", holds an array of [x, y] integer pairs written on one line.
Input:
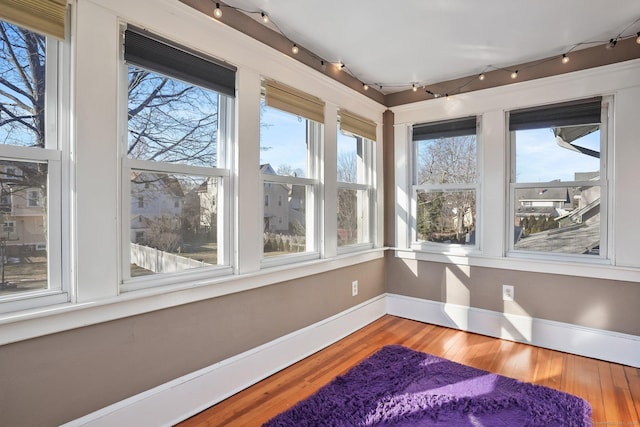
{"points": [[265, 17], [565, 58], [217, 12], [612, 43], [365, 86], [638, 39], [414, 88], [481, 76], [514, 75], [295, 49]]}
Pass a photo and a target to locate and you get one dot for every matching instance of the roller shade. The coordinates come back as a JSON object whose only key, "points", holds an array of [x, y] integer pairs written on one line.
{"points": [[293, 101], [357, 125], [152, 53], [445, 129], [43, 16], [582, 112]]}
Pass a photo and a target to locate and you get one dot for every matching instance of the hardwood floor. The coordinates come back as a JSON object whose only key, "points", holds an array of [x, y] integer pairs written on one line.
{"points": [[612, 390]]}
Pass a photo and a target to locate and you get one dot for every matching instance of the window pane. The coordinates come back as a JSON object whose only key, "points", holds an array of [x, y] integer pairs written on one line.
{"points": [[446, 160], [23, 236], [174, 222], [283, 143], [446, 216], [544, 155], [560, 219], [22, 86], [171, 121], [285, 223], [353, 216]]}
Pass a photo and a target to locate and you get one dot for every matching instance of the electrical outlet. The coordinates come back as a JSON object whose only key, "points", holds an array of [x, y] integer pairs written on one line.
{"points": [[354, 288], [507, 293]]}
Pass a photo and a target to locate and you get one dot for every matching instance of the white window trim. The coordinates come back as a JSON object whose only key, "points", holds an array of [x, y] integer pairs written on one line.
{"points": [[606, 250], [313, 204], [368, 184], [224, 268], [444, 248], [55, 154]]}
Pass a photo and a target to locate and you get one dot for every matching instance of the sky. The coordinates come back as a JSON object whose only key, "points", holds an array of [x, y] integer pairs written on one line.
{"points": [[540, 159], [283, 140]]}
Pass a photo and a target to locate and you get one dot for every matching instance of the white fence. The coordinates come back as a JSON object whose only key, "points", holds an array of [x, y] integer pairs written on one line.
{"points": [[161, 262]]}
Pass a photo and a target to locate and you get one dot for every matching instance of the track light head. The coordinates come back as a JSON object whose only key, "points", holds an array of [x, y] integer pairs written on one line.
{"points": [[514, 75], [481, 76], [414, 88], [265, 17], [295, 49], [365, 86], [612, 43], [565, 58], [638, 38]]}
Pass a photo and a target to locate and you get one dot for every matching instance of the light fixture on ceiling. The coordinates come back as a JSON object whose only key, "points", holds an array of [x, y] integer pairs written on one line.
{"points": [[514, 75], [295, 49], [638, 39], [323, 66], [217, 12], [565, 58], [612, 43], [265, 17], [481, 76], [414, 88], [365, 86]]}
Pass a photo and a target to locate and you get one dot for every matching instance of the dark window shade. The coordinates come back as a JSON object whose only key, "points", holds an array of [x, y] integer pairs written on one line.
{"points": [[445, 129], [586, 111], [147, 51]]}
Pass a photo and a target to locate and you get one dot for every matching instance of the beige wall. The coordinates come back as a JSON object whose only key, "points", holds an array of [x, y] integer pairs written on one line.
{"points": [[60, 377], [596, 303]]}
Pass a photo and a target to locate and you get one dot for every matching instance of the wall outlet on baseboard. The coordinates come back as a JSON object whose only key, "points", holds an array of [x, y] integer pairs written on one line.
{"points": [[354, 288], [507, 293]]}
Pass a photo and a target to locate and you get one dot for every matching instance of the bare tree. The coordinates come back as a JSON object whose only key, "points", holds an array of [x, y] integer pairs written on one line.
{"points": [[446, 215]]}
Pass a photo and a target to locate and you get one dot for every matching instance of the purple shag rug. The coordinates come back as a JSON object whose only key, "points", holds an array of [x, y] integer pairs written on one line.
{"points": [[398, 386]]}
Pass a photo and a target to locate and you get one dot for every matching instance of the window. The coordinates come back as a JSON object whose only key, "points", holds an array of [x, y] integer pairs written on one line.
{"points": [[176, 167], [33, 198], [31, 160], [445, 184], [355, 160], [290, 137], [558, 179]]}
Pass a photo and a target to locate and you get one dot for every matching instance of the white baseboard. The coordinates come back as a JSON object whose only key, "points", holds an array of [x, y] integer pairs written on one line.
{"points": [[183, 397], [596, 343]]}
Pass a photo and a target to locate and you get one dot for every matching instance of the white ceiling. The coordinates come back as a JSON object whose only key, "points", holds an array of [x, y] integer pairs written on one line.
{"points": [[395, 43]]}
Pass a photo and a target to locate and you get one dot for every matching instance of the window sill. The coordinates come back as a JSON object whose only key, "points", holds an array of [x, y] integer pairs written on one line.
{"points": [[596, 269], [18, 326]]}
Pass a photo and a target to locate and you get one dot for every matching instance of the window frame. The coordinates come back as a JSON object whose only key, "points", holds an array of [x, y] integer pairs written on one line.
{"points": [[368, 186], [314, 198], [448, 125], [56, 155], [223, 172], [606, 170]]}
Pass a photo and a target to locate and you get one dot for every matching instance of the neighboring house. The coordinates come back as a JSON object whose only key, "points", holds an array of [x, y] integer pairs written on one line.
{"points": [[154, 197], [276, 204], [22, 208], [577, 217], [201, 207]]}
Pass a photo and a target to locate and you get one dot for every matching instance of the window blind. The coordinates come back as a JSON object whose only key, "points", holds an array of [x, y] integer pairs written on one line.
{"points": [[358, 125], [43, 16], [585, 111], [153, 53], [445, 129], [285, 98]]}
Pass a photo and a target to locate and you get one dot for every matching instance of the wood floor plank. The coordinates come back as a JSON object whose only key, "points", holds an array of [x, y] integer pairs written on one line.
{"points": [[612, 390]]}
